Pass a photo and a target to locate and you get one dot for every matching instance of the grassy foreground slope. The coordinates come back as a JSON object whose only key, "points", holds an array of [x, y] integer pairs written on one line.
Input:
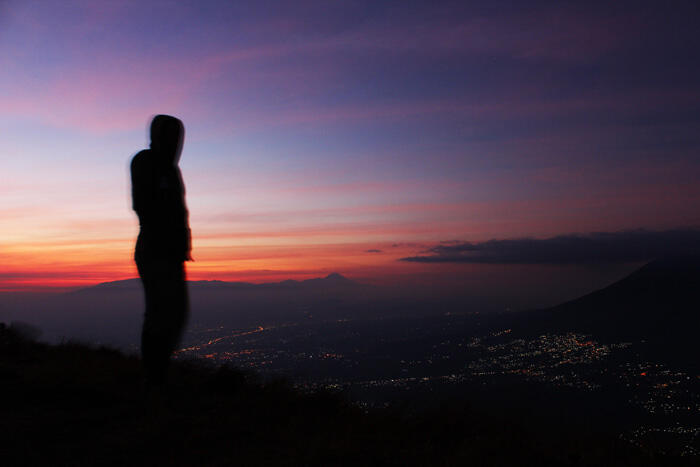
{"points": [[75, 405]]}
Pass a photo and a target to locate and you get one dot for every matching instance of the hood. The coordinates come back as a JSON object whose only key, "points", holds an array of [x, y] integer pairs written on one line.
{"points": [[167, 136]]}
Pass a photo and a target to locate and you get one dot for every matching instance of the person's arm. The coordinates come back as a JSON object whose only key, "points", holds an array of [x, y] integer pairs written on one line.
{"points": [[188, 244], [187, 232], [180, 215], [141, 186]]}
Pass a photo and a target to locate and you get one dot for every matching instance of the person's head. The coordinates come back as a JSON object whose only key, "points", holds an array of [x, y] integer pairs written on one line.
{"points": [[167, 136]]}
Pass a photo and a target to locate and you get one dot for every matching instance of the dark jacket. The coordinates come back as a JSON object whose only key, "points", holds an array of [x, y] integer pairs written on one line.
{"points": [[158, 195]]}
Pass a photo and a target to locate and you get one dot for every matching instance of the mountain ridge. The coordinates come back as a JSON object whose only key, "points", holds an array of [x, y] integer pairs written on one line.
{"points": [[658, 303], [332, 279]]}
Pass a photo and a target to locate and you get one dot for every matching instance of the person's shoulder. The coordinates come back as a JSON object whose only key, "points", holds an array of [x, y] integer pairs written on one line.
{"points": [[141, 159]]}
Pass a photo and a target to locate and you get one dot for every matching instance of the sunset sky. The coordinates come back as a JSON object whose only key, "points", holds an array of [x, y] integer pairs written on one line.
{"points": [[345, 136]]}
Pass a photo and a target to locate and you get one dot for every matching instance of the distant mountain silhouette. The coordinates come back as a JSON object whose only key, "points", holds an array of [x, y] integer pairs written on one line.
{"points": [[659, 302], [110, 312], [331, 280]]}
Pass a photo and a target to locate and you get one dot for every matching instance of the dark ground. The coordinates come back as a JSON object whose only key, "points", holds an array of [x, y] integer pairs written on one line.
{"points": [[75, 405]]}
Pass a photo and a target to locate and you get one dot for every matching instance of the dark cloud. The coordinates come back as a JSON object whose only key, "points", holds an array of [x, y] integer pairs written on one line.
{"points": [[373, 251], [409, 245], [600, 247]]}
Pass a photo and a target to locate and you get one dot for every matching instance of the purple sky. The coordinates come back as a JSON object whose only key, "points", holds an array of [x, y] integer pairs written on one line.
{"points": [[317, 131]]}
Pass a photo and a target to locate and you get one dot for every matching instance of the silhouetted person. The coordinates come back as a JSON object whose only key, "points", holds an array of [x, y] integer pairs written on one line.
{"points": [[163, 244]]}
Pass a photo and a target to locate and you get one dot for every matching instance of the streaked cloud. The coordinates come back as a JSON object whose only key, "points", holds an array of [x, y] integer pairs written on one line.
{"points": [[600, 247]]}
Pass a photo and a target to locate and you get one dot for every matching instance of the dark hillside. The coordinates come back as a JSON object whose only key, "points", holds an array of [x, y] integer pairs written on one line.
{"points": [[659, 303], [74, 405]]}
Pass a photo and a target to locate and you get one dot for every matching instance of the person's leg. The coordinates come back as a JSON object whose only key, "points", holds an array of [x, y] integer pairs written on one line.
{"points": [[167, 307], [152, 332], [177, 304]]}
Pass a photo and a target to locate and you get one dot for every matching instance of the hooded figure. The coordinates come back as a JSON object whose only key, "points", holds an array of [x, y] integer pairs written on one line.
{"points": [[163, 244]]}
